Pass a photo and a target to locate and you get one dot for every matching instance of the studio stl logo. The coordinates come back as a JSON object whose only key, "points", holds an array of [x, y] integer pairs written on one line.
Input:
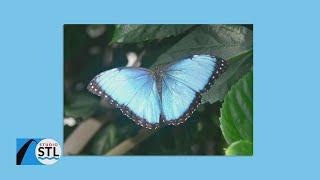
{"points": [[37, 151], [48, 151]]}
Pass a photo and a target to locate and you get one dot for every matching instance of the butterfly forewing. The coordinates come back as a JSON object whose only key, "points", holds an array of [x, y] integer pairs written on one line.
{"points": [[194, 72], [133, 90]]}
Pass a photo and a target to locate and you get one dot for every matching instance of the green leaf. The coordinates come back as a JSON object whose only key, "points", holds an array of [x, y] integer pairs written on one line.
{"points": [[238, 66], [139, 33], [225, 41], [81, 105], [237, 111], [244, 148]]}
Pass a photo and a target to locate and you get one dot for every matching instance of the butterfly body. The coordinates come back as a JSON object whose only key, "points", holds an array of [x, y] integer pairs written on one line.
{"points": [[169, 94]]}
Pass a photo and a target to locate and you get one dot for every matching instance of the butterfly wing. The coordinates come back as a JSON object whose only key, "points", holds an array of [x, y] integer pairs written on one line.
{"points": [[183, 82], [133, 90]]}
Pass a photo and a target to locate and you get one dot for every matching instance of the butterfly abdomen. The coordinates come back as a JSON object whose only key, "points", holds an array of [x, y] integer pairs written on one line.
{"points": [[158, 75]]}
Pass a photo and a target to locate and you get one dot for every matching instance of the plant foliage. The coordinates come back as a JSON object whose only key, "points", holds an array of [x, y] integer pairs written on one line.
{"points": [[237, 114]]}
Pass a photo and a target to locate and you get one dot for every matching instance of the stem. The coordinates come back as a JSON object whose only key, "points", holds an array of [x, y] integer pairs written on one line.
{"points": [[81, 136]]}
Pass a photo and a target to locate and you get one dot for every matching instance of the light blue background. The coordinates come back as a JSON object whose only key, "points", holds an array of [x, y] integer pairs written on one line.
{"points": [[286, 87]]}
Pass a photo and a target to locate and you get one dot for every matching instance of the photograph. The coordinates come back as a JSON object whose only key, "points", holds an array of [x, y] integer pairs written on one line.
{"points": [[158, 90]]}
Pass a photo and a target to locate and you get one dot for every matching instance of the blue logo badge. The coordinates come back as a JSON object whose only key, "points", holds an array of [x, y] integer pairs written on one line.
{"points": [[37, 151]]}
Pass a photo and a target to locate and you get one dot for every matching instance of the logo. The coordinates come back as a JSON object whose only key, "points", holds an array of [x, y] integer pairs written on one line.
{"points": [[37, 151]]}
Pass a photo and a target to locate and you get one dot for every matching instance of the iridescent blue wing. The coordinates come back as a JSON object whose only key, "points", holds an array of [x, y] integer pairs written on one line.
{"points": [[183, 82], [133, 90]]}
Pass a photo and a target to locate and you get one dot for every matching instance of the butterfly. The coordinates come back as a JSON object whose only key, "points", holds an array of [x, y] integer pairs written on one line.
{"points": [[168, 94]]}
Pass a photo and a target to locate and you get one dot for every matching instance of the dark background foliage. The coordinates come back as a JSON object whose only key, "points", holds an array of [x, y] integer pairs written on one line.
{"points": [[91, 49]]}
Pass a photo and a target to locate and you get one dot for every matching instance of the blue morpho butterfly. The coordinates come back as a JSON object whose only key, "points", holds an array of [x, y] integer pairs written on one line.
{"points": [[169, 94]]}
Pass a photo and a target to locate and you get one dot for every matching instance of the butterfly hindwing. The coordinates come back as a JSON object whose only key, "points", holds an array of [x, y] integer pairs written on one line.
{"points": [[133, 90], [177, 98], [183, 82]]}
